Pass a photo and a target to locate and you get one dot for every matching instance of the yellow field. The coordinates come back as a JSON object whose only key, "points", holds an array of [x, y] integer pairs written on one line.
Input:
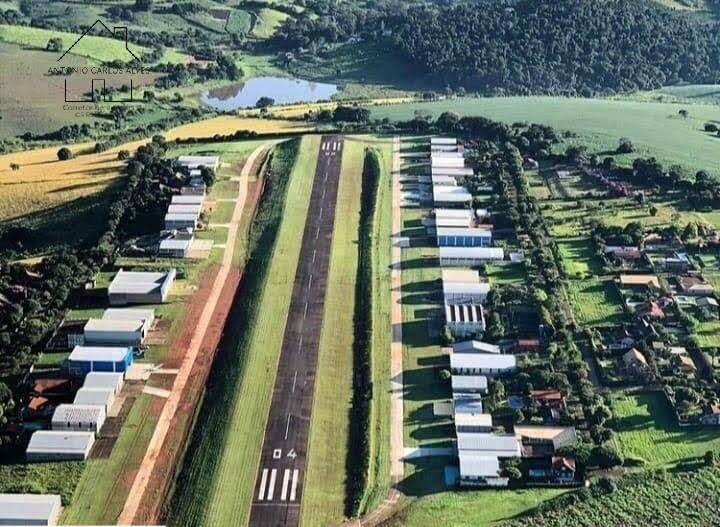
{"points": [[43, 182]]}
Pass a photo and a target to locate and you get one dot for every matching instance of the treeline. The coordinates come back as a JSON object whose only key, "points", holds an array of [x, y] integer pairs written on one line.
{"points": [[358, 451], [530, 46]]}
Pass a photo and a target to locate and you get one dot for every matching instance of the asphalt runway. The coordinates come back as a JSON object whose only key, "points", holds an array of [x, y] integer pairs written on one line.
{"points": [[281, 473]]}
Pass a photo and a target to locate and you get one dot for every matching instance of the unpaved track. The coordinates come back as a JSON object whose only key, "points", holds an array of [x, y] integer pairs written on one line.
{"points": [[154, 450]]}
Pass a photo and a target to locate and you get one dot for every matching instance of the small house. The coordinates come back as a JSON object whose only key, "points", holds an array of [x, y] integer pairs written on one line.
{"points": [[694, 286], [86, 359], [634, 364], [175, 248]]}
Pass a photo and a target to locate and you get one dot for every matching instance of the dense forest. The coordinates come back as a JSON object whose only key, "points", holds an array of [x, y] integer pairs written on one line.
{"points": [[532, 46]]}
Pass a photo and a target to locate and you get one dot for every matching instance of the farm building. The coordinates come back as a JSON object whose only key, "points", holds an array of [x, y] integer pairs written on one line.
{"points": [[475, 346], [55, 445], [29, 509], [129, 287], [505, 445], [465, 292], [104, 380], [185, 209], [470, 256], [464, 319], [445, 196], [81, 418], [85, 359], [177, 220], [195, 162], [187, 200], [174, 248], [480, 470], [453, 217], [473, 423], [469, 384], [481, 364], [95, 397], [463, 237], [114, 332]]}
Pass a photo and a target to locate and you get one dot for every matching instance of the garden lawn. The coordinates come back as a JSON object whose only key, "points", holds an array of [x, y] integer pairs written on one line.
{"points": [[646, 429], [595, 302]]}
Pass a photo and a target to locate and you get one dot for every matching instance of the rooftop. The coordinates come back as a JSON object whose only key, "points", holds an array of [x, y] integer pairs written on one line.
{"points": [[461, 383], [114, 313], [475, 464], [78, 413], [482, 361], [493, 253], [139, 282], [27, 508], [60, 441], [114, 324], [475, 346], [187, 199], [94, 396], [640, 279], [505, 445], [99, 353]]}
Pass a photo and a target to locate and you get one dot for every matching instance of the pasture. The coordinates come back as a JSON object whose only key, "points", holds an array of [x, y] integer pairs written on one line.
{"points": [[655, 128], [219, 474], [646, 430]]}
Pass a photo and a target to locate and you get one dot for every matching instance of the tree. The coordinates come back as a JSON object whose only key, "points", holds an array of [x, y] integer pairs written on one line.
{"points": [[690, 232], [653, 210], [64, 154], [123, 155], [513, 473], [446, 336], [625, 146], [448, 121], [711, 127], [445, 375], [208, 176], [14, 167], [264, 102], [55, 44], [683, 113], [143, 5], [709, 458], [606, 456]]}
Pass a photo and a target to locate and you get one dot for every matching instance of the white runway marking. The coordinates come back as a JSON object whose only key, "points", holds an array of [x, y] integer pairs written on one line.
{"points": [[300, 343], [293, 487], [313, 255], [294, 381], [310, 282], [320, 216], [286, 480], [305, 312], [263, 484], [271, 489], [287, 426], [317, 232]]}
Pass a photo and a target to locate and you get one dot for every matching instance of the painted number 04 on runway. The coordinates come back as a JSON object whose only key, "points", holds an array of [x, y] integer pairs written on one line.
{"points": [[277, 453]]}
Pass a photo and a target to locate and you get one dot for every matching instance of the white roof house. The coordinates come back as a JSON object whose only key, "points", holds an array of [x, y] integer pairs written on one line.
{"points": [[481, 363], [465, 292], [29, 509], [475, 346], [499, 445], [194, 162], [104, 380], [454, 196], [87, 418], [95, 397], [195, 209], [53, 445], [131, 287], [469, 384], [470, 256], [119, 332], [187, 200]]}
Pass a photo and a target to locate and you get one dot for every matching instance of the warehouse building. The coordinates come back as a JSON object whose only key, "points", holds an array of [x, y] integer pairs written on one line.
{"points": [[464, 319], [105, 380], [498, 445], [185, 209], [469, 384], [470, 256], [482, 364], [114, 332], [463, 237], [176, 221], [475, 346], [473, 423], [54, 445], [446, 196], [465, 292], [452, 217], [30, 509], [104, 397], [130, 287], [196, 162], [187, 200], [86, 359], [175, 248], [479, 470], [80, 418]]}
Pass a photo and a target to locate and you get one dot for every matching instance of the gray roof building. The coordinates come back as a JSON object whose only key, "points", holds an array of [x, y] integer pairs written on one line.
{"points": [[54, 445], [29, 509]]}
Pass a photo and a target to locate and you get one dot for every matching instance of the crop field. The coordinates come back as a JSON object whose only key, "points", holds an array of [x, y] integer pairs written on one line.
{"points": [[595, 302], [655, 128], [324, 499], [221, 472], [686, 499], [646, 429]]}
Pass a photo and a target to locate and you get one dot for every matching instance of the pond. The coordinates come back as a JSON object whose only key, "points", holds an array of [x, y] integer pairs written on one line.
{"points": [[282, 90]]}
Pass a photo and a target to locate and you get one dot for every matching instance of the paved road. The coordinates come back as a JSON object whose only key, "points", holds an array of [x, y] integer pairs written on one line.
{"points": [[281, 473]]}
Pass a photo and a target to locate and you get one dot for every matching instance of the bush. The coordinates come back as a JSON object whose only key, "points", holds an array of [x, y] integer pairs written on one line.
{"points": [[607, 485], [606, 456], [64, 154]]}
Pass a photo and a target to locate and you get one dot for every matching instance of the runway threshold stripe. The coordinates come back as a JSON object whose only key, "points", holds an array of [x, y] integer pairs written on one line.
{"points": [[286, 480], [263, 484], [271, 490], [293, 487]]}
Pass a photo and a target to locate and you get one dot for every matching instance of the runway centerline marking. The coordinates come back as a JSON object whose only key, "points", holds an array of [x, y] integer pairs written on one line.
{"points": [[287, 426], [294, 381]]}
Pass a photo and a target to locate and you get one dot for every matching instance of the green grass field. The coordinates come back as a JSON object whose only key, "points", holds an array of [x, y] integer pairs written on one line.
{"points": [[655, 128], [595, 302], [646, 429], [59, 477], [267, 22], [219, 475], [324, 498]]}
